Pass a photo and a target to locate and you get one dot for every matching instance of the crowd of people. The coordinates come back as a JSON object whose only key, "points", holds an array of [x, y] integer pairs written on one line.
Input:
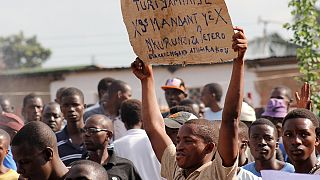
{"points": [[120, 138]]}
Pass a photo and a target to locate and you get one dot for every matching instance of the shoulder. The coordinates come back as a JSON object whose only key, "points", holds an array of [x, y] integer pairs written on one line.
{"points": [[288, 167]]}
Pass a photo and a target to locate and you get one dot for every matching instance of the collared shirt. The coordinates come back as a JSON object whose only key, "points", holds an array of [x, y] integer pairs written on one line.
{"points": [[143, 158], [213, 170], [119, 168], [68, 152]]}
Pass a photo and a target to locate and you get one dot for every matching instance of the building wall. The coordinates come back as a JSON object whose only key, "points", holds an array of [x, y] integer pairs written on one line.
{"points": [[16, 87], [193, 76]]}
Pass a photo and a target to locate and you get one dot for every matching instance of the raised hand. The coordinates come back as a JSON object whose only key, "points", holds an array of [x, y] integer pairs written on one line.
{"points": [[303, 99], [140, 69], [240, 42]]}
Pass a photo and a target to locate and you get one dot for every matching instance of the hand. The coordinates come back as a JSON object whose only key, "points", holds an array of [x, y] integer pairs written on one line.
{"points": [[140, 69], [303, 99], [240, 42]]}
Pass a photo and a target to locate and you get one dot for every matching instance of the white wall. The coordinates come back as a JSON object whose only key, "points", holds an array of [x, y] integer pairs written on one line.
{"points": [[193, 76]]}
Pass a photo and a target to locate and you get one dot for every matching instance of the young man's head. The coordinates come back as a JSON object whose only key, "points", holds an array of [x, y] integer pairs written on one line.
{"points": [[4, 144], [195, 106], [243, 143], [6, 105], [32, 108], [131, 113], [299, 135], [195, 144], [52, 116], [118, 91], [175, 91], [86, 170], [72, 105], [104, 85], [35, 151], [58, 95], [263, 138], [174, 122], [282, 92], [97, 132], [211, 93]]}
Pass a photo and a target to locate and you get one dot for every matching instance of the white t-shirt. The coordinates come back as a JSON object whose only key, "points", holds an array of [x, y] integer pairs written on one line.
{"points": [[136, 147], [247, 175], [210, 115]]}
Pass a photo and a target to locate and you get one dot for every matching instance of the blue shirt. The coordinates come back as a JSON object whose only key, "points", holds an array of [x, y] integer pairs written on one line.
{"points": [[9, 162], [68, 152], [251, 167]]}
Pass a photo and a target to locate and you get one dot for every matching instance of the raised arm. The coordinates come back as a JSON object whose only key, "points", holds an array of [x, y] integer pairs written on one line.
{"points": [[152, 119], [228, 134], [303, 99]]}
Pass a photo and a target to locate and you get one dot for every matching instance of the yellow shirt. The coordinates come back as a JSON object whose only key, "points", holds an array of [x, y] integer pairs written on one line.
{"points": [[213, 170], [10, 175]]}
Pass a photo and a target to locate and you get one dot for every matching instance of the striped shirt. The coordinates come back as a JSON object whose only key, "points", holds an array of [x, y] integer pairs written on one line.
{"points": [[68, 152]]}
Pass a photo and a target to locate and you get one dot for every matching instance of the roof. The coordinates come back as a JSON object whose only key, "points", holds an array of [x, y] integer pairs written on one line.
{"points": [[272, 45]]}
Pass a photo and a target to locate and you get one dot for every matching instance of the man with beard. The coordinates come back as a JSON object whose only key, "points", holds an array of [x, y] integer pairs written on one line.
{"points": [[263, 143], [299, 139]]}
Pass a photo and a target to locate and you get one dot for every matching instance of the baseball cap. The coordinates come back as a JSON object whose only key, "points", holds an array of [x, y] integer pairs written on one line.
{"points": [[276, 108], [247, 113], [176, 120], [174, 83], [11, 120]]}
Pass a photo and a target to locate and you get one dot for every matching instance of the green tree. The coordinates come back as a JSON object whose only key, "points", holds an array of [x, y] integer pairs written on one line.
{"points": [[18, 51], [306, 31]]}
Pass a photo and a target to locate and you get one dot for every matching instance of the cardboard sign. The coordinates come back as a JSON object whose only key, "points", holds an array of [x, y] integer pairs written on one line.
{"points": [[273, 174], [179, 31]]}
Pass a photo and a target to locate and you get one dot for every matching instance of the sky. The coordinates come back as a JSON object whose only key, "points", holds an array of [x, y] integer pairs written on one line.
{"points": [[84, 32]]}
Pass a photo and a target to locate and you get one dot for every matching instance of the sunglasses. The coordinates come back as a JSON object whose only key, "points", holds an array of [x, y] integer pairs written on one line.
{"points": [[93, 130]]}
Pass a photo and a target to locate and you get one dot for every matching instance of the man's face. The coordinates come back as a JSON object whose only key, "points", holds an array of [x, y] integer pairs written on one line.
{"points": [[299, 139], [263, 142], [79, 172], [32, 110], [172, 133], [94, 139], [6, 106], [174, 97], [190, 148], [206, 96], [281, 93], [31, 162], [53, 117], [72, 108]]}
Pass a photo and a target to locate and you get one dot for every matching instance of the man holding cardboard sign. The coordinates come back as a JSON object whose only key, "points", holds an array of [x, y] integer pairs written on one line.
{"points": [[179, 32], [192, 157]]}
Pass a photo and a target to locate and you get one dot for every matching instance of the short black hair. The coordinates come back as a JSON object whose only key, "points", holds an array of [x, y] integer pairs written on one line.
{"points": [[204, 129], [264, 121], [131, 112], [216, 89], [99, 170], [179, 108], [104, 84], [28, 97], [36, 134], [6, 137], [59, 92], [302, 113], [72, 91], [243, 131], [117, 85]]}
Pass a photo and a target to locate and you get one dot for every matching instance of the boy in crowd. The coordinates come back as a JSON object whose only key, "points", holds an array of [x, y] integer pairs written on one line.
{"points": [[191, 158], [5, 173], [263, 143], [299, 139], [35, 151]]}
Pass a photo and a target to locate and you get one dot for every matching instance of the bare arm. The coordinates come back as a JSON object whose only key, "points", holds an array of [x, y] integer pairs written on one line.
{"points": [[228, 134], [152, 119]]}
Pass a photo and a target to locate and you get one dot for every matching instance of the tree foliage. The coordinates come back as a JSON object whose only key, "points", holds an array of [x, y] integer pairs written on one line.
{"points": [[306, 31], [18, 51]]}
